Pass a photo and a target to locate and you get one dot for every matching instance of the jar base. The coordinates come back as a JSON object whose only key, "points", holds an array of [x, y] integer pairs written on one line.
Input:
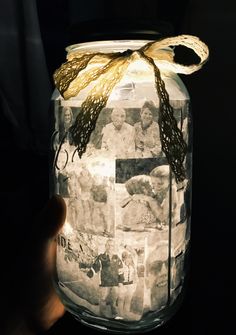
{"points": [[150, 321]]}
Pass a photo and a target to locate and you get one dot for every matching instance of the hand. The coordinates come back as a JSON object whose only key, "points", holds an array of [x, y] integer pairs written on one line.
{"points": [[38, 307]]}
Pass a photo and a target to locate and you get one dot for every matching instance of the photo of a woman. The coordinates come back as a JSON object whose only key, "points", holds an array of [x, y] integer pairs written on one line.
{"points": [[147, 134]]}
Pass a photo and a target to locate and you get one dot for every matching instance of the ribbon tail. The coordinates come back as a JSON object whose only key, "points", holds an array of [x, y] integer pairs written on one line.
{"points": [[173, 144]]}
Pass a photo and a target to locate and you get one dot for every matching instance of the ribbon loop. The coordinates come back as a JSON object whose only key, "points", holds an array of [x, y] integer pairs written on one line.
{"points": [[191, 42]]}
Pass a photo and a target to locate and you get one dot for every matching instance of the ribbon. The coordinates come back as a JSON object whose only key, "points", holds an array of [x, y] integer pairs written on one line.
{"points": [[107, 69]]}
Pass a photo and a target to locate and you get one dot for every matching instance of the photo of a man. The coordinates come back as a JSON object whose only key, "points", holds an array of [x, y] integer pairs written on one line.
{"points": [[118, 135]]}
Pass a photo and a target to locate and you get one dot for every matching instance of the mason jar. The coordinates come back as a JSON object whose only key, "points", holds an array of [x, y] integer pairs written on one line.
{"points": [[122, 252]]}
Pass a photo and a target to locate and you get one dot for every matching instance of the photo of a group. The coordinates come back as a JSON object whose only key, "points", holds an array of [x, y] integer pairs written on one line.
{"points": [[121, 252]]}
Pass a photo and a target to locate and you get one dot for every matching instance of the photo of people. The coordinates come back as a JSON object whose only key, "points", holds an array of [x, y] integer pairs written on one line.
{"points": [[143, 200], [157, 282], [90, 206], [160, 177], [110, 267], [141, 210], [65, 120], [118, 135], [132, 132], [129, 282], [105, 275], [119, 132], [117, 280], [76, 253], [147, 134], [122, 132], [122, 200], [132, 290]]}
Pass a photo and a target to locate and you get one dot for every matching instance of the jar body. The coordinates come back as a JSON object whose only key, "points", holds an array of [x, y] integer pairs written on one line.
{"points": [[122, 253]]}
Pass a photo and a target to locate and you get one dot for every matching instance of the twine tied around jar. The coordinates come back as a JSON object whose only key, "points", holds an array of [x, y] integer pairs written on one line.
{"points": [[108, 69]]}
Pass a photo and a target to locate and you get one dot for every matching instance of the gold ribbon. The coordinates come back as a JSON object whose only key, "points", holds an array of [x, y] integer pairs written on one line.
{"points": [[108, 69]]}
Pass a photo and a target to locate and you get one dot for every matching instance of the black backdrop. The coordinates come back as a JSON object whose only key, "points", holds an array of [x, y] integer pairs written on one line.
{"points": [[209, 303]]}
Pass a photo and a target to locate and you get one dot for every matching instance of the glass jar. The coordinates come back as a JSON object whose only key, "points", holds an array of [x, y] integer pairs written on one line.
{"points": [[122, 252]]}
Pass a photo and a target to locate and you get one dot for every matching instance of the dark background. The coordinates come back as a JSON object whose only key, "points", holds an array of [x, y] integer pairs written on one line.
{"points": [[27, 64]]}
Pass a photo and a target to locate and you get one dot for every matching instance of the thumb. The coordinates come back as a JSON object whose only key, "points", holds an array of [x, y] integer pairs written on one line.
{"points": [[45, 306], [51, 218]]}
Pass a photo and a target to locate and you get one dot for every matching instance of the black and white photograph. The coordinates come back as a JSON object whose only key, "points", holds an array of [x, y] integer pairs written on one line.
{"points": [[65, 122], [90, 197], [158, 282], [121, 189], [105, 275], [121, 132], [142, 195]]}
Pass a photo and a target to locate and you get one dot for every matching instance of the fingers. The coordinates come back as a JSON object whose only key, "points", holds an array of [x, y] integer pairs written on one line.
{"points": [[52, 219], [50, 313], [51, 308], [46, 307]]}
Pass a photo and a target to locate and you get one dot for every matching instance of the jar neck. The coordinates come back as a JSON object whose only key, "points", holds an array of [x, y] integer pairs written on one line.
{"points": [[106, 46]]}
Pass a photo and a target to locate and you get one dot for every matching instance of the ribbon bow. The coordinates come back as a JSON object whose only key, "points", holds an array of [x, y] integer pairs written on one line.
{"points": [[108, 69]]}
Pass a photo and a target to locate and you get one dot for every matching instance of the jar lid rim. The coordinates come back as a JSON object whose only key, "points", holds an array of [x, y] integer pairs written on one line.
{"points": [[107, 45]]}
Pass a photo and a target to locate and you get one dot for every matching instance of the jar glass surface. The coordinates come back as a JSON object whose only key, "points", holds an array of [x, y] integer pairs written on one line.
{"points": [[122, 252]]}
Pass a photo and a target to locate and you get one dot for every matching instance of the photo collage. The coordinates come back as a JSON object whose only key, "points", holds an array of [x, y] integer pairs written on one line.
{"points": [[121, 252]]}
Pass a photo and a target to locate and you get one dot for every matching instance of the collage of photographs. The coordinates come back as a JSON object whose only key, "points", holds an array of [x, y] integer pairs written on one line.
{"points": [[121, 253]]}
